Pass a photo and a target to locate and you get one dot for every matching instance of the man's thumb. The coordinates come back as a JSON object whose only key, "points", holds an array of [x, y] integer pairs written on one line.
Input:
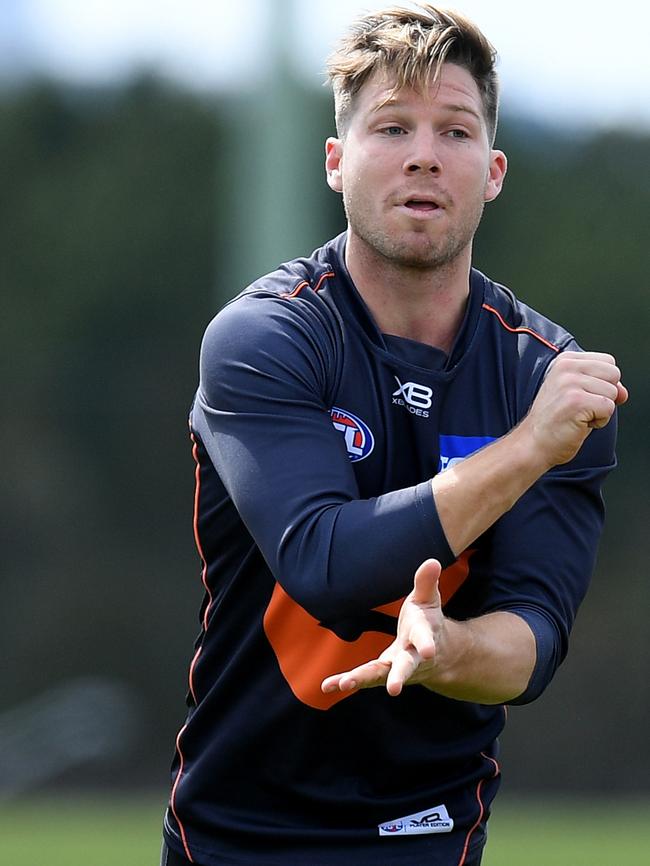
{"points": [[425, 584]]}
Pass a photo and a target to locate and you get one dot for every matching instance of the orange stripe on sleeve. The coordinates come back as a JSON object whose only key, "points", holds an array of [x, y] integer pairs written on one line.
{"points": [[320, 282], [298, 289], [520, 330], [304, 284]]}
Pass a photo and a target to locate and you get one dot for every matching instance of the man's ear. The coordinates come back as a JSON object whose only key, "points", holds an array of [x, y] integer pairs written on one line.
{"points": [[333, 158], [496, 175]]}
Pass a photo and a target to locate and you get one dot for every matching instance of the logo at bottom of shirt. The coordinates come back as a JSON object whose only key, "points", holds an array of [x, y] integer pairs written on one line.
{"points": [[434, 820]]}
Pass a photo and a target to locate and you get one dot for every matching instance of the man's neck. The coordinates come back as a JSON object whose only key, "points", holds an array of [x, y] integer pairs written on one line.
{"points": [[426, 305]]}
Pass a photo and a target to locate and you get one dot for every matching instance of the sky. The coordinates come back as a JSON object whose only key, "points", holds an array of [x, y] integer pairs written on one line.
{"points": [[573, 62]]}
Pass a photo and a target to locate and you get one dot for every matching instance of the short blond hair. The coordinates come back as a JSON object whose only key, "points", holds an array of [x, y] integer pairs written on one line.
{"points": [[410, 46]]}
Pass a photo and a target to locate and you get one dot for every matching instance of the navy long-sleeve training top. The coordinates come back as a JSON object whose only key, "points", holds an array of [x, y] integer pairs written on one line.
{"points": [[315, 438]]}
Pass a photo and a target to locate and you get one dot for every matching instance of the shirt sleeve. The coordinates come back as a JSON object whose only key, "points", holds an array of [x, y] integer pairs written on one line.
{"points": [[541, 553], [268, 370]]}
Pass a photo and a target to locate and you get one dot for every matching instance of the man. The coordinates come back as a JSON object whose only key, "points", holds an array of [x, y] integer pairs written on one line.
{"points": [[379, 410]]}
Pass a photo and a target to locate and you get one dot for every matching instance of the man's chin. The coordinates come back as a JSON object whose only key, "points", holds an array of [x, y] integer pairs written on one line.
{"points": [[422, 257], [415, 250]]}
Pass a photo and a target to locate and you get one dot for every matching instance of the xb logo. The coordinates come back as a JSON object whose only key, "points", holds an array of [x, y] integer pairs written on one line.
{"points": [[416, 398]]}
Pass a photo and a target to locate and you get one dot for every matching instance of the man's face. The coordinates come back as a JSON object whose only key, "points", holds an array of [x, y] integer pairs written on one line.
{"points": [[415, 172]]}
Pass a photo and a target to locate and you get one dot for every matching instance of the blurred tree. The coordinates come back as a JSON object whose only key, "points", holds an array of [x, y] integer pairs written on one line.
{"points": [[108, 251], [569, 236]]}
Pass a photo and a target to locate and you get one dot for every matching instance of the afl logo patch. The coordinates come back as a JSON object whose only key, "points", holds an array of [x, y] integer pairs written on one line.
{"points": [[387, 829], [359, 440]]}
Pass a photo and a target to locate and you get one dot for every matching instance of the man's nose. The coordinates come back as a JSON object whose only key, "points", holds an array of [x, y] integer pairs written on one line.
{"points": [[423, 157]]}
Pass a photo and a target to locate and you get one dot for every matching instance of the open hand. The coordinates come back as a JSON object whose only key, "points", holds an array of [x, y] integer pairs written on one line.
{"points": [[413, 654]]}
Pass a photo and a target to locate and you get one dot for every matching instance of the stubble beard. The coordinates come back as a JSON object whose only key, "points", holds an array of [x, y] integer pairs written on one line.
{"points": [[419, 252]]}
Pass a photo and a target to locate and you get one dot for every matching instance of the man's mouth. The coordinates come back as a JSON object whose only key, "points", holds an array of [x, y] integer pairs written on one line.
{"points": [[420, 204]]}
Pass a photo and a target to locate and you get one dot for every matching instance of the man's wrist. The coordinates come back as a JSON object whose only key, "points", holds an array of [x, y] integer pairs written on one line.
{"points": [[486, 660], [527, 460], [454, 647]]}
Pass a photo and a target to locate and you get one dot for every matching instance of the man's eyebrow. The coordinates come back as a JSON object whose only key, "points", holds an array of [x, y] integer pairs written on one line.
{"points": [[391, 102], [458, 108], [463, 109]]}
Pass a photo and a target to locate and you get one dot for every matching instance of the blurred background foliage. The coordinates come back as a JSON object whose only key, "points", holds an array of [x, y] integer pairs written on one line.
{"points": [[118, 236]]}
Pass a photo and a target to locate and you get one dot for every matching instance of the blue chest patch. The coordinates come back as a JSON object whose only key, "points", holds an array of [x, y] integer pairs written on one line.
{"points": [[453, 449]]}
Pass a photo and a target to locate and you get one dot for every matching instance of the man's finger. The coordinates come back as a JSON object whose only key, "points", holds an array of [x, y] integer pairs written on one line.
{"points": [[404, 665], [421, 636], [362, 677], [425, 584]]}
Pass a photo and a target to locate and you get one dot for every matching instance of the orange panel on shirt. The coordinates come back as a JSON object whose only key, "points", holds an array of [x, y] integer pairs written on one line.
{"points": [[307, 651]]}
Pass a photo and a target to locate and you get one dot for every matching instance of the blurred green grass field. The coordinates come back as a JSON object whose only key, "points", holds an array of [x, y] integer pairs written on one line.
{"points": [[126, 832], [567, 832]]}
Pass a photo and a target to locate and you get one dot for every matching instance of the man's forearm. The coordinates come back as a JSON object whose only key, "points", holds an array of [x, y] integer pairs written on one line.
{"points": [[488, 660], [476, 492], [579, 393]]}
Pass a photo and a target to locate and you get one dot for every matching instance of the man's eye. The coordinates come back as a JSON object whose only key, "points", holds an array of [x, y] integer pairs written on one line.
{"points": [[458, 133], [392, 130]]}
